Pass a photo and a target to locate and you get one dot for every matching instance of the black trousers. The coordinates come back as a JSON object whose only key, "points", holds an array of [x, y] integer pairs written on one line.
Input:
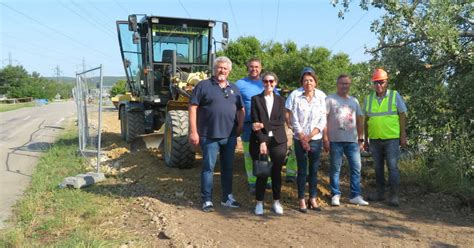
{"points": [[277, 154]]}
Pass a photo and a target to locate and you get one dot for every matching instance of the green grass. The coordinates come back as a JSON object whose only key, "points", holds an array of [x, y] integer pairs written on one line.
{"points": [[48, 216], [439, 173], [9, 107]]}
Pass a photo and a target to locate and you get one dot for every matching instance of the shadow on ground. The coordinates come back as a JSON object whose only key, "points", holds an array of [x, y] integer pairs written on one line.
{"points": [[143, 173]]}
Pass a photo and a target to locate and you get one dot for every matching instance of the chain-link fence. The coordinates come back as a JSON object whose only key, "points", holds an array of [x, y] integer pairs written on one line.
{"points": [[89, 96]]}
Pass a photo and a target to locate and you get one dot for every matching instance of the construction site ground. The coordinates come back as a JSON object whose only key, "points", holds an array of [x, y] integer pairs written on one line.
{"points": [[162, 207]]}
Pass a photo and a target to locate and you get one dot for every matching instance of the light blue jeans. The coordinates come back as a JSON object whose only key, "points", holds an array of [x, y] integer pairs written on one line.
{"points": [[210, 147], [386, 150], [352, 152]]}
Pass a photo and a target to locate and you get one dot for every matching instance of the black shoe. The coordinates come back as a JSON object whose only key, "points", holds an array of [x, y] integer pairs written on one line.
{"points": [[290, 179], [313, 207], [394, 201], [376, 196], [303, 210]]}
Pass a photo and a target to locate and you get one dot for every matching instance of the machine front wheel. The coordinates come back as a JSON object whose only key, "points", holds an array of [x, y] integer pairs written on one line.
{"points": [[177, 150]]}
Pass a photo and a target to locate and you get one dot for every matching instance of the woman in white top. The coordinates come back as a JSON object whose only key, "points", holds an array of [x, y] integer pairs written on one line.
{"points": [[308, 121]]}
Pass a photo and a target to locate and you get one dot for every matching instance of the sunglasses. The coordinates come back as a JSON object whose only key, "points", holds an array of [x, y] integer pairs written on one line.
{"points": [[379, 82], [226, 93], [265, 81]]}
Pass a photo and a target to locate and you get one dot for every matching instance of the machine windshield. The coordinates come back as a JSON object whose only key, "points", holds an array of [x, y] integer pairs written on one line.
{"points": [[190, 43]]}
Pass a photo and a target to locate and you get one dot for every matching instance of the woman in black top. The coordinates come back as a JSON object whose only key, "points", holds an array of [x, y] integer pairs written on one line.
{"points": [[268, 137]]}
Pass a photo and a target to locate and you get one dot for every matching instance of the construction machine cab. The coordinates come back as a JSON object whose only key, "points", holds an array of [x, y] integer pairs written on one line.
{"points": [[158, 55]]}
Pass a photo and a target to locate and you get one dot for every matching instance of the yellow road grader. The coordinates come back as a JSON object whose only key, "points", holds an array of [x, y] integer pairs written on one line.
{"points": [[164, 58]]}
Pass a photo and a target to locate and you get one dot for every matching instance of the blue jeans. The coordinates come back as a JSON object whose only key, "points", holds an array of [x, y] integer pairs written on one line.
{"points": [[352, 152], [210, 147], [387, 150], [302, 157]]}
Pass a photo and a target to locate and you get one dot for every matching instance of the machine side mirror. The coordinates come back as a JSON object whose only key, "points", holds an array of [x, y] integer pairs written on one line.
{"points": [[224, 43], [127, 63], [225, 30], [132, 23], [136, 38]]}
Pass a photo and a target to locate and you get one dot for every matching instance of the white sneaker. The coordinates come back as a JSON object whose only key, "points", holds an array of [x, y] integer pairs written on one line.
{"points": [[358, 200], [259, 208], [335, 200], [277, 207]]}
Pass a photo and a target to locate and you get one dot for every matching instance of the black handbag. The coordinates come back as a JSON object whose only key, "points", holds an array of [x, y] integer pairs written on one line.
{"points": [[262, 167]]}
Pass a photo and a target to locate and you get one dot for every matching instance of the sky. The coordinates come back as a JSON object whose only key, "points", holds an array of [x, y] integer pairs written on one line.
{"points": [[70, 35]]}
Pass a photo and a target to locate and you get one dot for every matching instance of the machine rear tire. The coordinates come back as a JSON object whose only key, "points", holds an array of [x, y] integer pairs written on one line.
{"points": [[177, 150], [132, 124], [123, 123]]}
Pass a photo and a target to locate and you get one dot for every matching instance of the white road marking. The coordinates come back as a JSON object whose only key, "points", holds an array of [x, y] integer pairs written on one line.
{"points": [[28, 117]]}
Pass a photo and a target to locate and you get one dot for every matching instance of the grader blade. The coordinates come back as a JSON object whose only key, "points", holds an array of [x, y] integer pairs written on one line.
{"points": [[148, 141]]}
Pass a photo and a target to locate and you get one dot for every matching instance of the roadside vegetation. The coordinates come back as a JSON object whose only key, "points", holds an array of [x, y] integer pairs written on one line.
{"points": [[16, 82], [48, 216], [9, 107]]}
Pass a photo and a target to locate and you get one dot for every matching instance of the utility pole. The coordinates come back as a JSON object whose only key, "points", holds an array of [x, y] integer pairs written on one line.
{"points": [[57, 72], [10, 60], [83, 64]]}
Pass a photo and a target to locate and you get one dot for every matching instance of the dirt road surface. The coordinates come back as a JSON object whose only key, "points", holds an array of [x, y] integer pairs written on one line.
{"points": [[165, 209]]}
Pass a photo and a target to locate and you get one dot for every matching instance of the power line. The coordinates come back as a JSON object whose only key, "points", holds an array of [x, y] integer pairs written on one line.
{"points": [[363, 46], [105, 15], [182, 5], [233, 16], [276, 21], [86, 19], [121, 7], [40, 54], [344, 35], [56, 31], [99, 21], [35, 47]]}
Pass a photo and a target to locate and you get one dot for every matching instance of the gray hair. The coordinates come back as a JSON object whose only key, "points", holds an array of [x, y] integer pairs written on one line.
{"points": [[222, 59]]}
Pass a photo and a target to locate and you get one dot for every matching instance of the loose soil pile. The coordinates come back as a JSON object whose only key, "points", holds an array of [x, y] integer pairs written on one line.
{"points": [[162, 206]]}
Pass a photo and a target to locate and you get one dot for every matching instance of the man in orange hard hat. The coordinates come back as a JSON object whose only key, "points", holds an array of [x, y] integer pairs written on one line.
{"points": [[384, 126]]}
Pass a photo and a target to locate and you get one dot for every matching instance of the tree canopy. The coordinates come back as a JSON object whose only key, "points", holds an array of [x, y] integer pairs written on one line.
{"points": [[427, 48], [16, 82]]}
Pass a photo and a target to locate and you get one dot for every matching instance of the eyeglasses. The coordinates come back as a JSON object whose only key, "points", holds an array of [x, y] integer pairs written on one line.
{"points": [[379, 82], [265, 81], [226, 93]]}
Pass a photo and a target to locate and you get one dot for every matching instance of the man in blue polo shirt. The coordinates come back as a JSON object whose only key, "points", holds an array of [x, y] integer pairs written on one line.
{"points": [[216, 115]]}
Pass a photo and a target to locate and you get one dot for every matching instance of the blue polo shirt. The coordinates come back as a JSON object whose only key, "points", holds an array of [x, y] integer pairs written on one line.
{"points": [[249, 88], [217, 108]]}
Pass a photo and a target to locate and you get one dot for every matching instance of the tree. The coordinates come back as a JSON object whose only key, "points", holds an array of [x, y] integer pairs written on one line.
{"points": [[119, 88], [287, 61], [15, 82], [427, 48]]}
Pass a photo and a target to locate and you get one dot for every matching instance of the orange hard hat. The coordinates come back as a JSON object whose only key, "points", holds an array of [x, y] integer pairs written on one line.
{"points": [[379, 74]]}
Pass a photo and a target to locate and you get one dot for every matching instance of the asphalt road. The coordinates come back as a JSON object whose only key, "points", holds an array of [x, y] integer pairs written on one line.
{"points": [[25, 134]]}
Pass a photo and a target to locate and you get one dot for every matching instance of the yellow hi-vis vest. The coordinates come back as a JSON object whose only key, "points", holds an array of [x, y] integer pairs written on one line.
{"points": [[383, 120]]}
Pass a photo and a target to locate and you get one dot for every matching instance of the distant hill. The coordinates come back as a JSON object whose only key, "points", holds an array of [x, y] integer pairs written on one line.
{"points": [[108, 80]]}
